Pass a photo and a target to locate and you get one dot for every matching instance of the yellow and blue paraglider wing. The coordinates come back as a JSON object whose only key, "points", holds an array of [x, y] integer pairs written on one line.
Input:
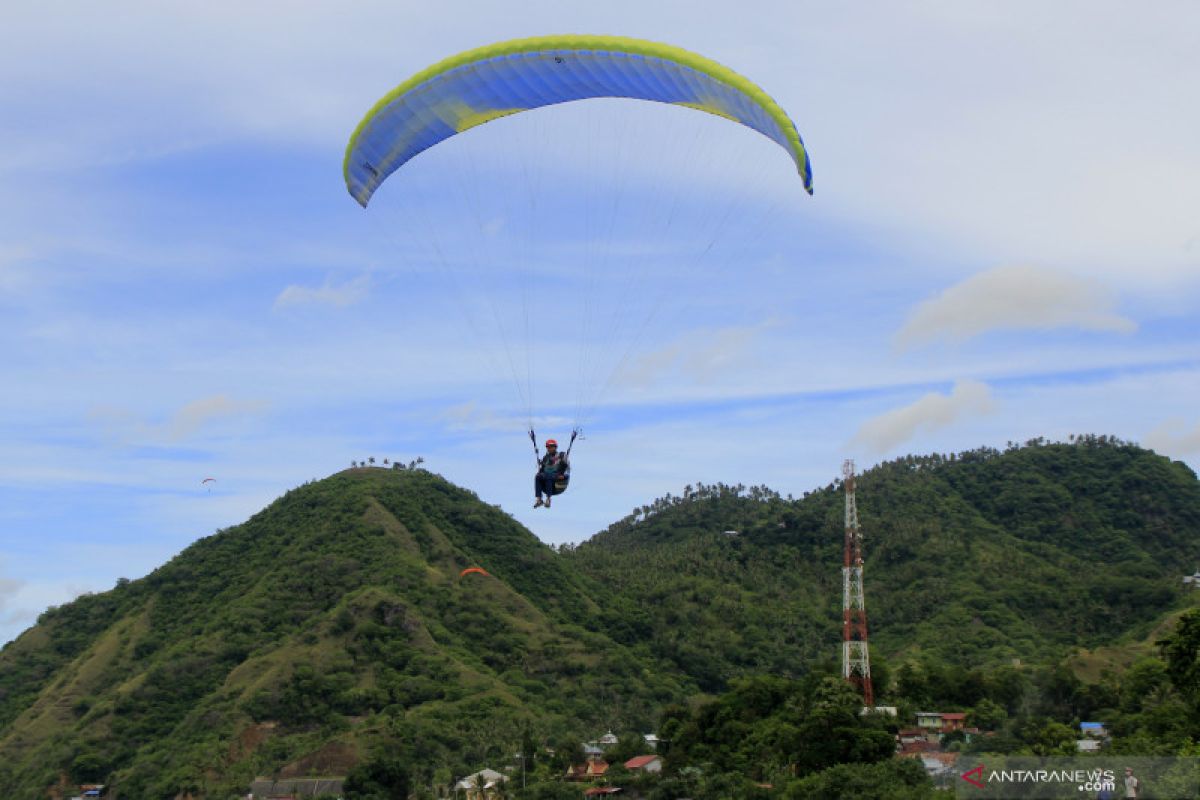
{"points": [[480, 85]]}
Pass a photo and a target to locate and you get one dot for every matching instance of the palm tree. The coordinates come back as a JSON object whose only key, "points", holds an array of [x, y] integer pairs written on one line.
{"points": [[480, 789]]}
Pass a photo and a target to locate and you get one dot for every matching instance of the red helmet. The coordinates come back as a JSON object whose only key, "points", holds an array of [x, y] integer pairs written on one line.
{"points": [[551, 443]]}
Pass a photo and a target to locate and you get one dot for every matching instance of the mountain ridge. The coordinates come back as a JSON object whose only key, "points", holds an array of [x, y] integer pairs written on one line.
{"points": [[336, 618]]}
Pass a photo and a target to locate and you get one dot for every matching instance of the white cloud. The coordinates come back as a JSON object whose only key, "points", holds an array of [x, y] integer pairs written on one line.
{"points": [[699, 356], [336, 295], [473, 416], [930, 413], [1013, 298], [1175, 438], [197, 413], [125, 427]]}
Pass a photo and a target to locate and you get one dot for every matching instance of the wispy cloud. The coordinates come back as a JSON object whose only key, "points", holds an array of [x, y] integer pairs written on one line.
{"points": [[331, 294], [472, 416], [1174, 437], [930, 413], [1013, 298], [197, 413], [699, 355], [127, 428]]}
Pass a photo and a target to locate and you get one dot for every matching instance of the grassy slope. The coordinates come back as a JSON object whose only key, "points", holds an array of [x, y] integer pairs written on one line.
{"points": [[356, 577]]}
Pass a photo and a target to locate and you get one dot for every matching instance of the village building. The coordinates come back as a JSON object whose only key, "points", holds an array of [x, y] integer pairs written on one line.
{"points": [[953, 722], [482, 785], [591, 771], [929, 720], [937, 764], [648, 764]]}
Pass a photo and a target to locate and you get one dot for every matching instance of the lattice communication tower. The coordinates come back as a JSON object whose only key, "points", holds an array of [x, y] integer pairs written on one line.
{"points": [[856, 662]]}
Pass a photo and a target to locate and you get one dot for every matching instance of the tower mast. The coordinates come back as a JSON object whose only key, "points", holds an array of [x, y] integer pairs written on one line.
{"points": [[856, 663]]}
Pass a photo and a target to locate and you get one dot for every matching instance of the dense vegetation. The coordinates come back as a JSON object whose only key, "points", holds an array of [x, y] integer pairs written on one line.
{"points": [[332, 633], [976, 558]]}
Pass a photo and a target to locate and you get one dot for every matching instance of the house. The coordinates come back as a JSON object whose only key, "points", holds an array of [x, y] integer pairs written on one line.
{"points": [[1088, 745], [910, 735], [592, 751], [938, 763], [929, 720], [918, 747], [607, 740], [91, 790], [1094, 730], [953, 722], [650, 763], [652, 740], [592, 770], [480, 785], [1192, 580]]}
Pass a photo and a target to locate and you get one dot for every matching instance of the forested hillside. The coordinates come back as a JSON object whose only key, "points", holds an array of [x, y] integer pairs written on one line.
{"points": [[332, 621], [335, 628], [976, 559]]}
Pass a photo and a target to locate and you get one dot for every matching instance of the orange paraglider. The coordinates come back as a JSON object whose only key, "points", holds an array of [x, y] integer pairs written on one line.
{"points": [[469, 570]]}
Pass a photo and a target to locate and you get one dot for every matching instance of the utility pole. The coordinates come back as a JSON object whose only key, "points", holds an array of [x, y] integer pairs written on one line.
{"points": [[856, 663]]}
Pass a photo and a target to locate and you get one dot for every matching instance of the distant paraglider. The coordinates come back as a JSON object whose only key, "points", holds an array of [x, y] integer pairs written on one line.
{"points": [[207, 483], [469, 570]]}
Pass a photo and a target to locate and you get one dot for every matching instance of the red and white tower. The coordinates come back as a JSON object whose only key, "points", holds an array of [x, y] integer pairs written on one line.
{"points": [[856, 663]]}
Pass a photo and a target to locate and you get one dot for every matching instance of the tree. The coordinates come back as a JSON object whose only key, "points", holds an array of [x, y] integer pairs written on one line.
{"points": [[382, 778], [88, 767], [1049, 738], [550, 791], [1181, 649], [893, 779]]}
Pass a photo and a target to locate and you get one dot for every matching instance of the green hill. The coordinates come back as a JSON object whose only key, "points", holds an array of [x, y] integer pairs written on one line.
{"points": [[334, 624], [333, 619], [974, 559]]}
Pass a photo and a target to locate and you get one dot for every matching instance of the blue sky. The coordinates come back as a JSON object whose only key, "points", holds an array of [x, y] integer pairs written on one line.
{"points": [[1003, 244]]}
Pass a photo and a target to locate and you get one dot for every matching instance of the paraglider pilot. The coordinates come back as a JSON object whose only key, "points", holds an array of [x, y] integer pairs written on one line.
{"points": [[554, 470]]}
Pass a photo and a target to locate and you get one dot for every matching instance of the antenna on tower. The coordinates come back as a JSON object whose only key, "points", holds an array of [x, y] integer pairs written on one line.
{"points": [[856, 662]]}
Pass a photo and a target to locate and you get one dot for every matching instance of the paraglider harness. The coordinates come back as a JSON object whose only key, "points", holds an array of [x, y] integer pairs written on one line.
{"points": [[560, 483]]}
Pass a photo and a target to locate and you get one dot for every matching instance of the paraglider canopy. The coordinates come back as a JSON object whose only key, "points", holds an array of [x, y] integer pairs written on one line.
{"points": [[570, 248], [480, 85], [469, 570]]}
